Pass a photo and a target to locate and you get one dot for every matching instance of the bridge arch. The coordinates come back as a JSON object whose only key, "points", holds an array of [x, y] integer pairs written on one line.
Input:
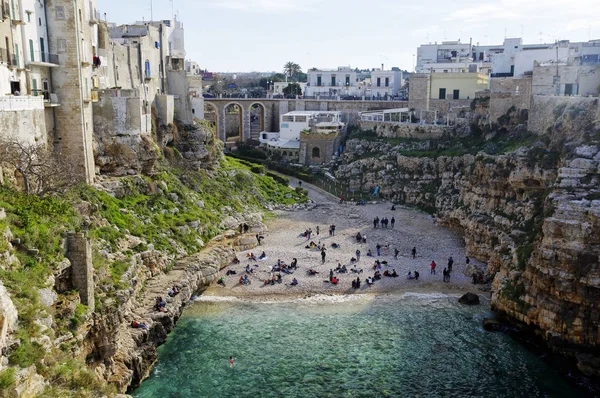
{"points": [[211, 114], [257, 119], [233, 114]]}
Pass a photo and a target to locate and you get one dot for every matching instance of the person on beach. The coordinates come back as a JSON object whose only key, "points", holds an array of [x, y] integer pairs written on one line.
{"points": [[467, 260], [416, 276], [450, 263], [445, 274], [318, 230], [263, 255], [231, 362], [332, 229], [259, 238], [364, 239], [294, 263], [294, 282], [357, 255], [393, 208], [396, 252], [330, 274], [378, 247], [323, 254], [433, 265], [393, 221], [358, 238], [414, 252], [369, 253]]}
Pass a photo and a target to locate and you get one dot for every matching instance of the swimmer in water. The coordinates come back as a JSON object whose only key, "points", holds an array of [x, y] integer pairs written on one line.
{"points": [[231, 363]]}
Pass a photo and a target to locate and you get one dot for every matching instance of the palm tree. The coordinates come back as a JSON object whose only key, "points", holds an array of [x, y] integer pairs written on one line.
{"points": [[291, 69]]}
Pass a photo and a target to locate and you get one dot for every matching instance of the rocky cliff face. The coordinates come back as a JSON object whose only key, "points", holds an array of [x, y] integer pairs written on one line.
{"points": [[532, 214]]}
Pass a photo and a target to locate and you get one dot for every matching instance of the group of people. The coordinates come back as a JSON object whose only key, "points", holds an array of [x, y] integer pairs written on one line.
{"points": [[384, 222]]}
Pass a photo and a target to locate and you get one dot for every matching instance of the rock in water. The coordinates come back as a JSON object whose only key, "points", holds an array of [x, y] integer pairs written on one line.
{"points": [[469, 299], [492, 324]]}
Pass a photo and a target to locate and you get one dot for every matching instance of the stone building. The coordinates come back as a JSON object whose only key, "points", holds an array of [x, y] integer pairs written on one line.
{"points": [[319, 144], [72, 34]]}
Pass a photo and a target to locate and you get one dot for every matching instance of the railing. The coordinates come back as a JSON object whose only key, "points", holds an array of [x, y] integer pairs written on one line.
{"points": [[25, 103], [49, 58], [7, 58]]}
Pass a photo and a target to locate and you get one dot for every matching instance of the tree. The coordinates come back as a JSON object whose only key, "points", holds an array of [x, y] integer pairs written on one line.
{"points": [[292, 89], [291, 69], [41, 171]]}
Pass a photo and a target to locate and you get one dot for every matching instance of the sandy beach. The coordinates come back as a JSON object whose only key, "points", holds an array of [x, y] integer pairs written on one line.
{"points": [[412, 229]]}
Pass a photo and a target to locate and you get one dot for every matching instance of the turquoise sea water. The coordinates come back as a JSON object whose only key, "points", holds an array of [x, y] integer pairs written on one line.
{"points": [[411, 346]]}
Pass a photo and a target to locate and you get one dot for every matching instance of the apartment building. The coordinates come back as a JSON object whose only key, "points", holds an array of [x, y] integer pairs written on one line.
{"points": [[385, 83], [332, 82]]}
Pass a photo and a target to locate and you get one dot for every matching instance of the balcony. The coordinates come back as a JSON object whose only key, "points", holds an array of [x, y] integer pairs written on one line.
{"points": [[7, 58], [45, 59], [50, 99], [21, 103]]}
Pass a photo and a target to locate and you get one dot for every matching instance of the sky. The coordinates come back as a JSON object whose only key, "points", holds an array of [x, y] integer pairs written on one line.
{"points": [[262, 35]]}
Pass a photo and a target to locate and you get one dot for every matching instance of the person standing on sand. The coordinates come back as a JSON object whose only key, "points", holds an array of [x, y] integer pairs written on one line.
{"points": [[396, 252], [378, 247], [323, 254], [318, 230], [393, 221], [433, 265], [231, 363], [357, 255], [450, 262], [414, 252]]}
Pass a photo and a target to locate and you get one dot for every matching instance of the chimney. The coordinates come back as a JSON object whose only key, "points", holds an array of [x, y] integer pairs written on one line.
{"points": [[382, 67]]}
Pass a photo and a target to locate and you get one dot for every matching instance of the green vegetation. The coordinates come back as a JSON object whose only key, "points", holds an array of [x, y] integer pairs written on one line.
{"points": [[451, 146], [173, 210]]}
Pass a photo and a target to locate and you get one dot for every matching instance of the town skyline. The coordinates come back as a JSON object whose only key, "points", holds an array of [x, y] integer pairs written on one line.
{"points": [[260, 35]]}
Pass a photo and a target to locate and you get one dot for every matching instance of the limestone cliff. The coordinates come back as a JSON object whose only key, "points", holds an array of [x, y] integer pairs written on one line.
{"points": [[531, 213]]}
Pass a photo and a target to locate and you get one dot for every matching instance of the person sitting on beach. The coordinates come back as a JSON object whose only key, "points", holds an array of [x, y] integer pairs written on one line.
{"points": [[369, 281], [377, 275], [358, 283], [377, 265], [386, 273], [344, 269], [262, 256], [160, 305], [353, 284], [230, 272], [221, 282], [294, 282], [416, 275], [352, 259], [364, 239], [287, 271], [410, 275], [235, 260], [273, 279], [174, 291], [335, 245], [357, 270], [394, 274], [246, 280], [242, 279], [393, 208], [279, 278], [252, 257], [369, 253], [312, 272], [338, 268], [249, 270], [294, 263], [334, 280]]}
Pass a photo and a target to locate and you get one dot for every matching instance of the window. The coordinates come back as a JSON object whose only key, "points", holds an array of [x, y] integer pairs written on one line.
{"points": [[316, 153], [31, 51], [442, 93], [387, 81], [319, 81], [60, 12], [287, 119], [456, 94], [34, 89], [62, 45], [28, 17], [347, 80], [39, 21], [300, 119], [333, 81], [147, 69], [378, 82]]}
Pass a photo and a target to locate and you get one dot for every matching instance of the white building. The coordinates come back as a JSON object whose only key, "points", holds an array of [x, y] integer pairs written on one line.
{"points": [[293, 123], [385, 83], [192, 68], [332, 82]]}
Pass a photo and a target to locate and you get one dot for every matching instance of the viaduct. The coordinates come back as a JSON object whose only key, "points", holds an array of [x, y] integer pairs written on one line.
{"points": [[254, 115]]}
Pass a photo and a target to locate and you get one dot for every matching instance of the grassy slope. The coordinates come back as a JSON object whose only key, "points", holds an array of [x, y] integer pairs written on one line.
{"points": [[155, 209]]}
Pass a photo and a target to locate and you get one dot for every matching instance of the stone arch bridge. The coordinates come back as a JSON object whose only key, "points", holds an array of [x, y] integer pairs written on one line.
{"points": [[262, 114]]}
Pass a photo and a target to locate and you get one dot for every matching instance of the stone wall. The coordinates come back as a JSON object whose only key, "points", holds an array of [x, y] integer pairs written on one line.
{"points": [[165, 108], [327, 145], [418, 95], [586, 78], [508, 92], [27, 126], [405, 130], [79, 253], [179, 87], [549, 112]]}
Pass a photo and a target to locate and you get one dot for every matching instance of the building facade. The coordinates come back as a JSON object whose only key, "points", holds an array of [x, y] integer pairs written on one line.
{"points": [[385, 83], [331, 83]]}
